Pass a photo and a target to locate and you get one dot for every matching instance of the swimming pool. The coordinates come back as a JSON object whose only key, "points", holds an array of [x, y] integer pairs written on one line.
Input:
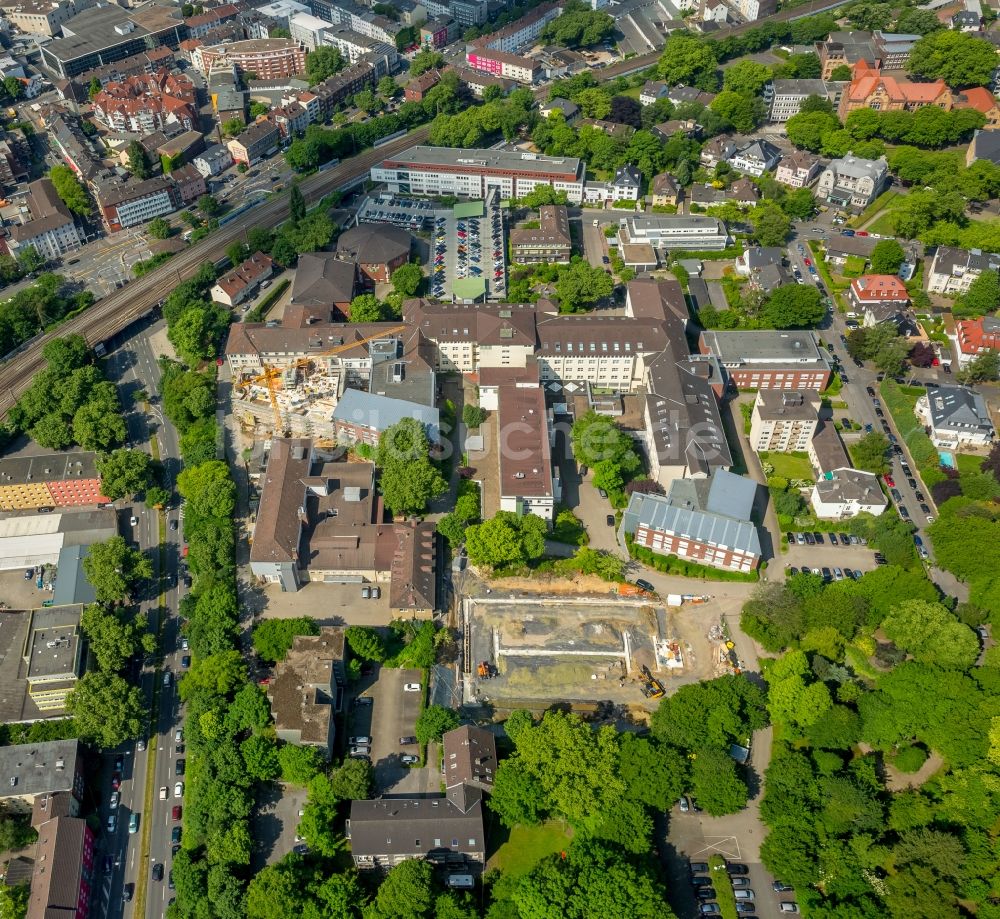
{"points": [[947, 459]]}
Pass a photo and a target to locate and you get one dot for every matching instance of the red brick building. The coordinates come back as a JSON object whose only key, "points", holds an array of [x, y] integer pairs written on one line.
{"points": [[789, 360], [64, 866], [974, 336], [418, 87], [878, 297]]}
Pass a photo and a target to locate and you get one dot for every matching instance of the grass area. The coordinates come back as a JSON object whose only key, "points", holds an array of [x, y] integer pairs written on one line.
{"points": [[967, 463], [528, 845], [834, 387], [885, 225], [789, 465], [261, 310], [880, 203], [900, 401], [569, 528], [723, 885]]}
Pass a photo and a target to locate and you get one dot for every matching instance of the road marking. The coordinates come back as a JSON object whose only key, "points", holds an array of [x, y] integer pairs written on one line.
{"points": [[721, 845]]}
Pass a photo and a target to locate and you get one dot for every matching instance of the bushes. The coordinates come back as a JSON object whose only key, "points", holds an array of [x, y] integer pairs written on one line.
{"points": [[671, 564]]}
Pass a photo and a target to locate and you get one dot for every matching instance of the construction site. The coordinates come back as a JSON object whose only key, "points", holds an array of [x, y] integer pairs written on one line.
{"points": [[533, 652], [297, 394]]}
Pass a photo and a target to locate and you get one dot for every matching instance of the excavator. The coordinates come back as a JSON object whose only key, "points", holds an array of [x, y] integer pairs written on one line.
{"points": [[272, 374], [651, 687]]}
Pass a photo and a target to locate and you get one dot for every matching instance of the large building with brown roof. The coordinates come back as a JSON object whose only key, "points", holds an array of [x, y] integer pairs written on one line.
{"points": [[243, 281], [323, 288], [872, 89], [321, 521], [307, 688], [377, 249], [64, 868], [525, 454], [147, 102], [51, 229], [548, 242]]}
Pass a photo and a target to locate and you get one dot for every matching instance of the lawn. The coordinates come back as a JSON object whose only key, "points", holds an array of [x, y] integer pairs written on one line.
{"points": [[967, 463], [528, 845], [789, 465], [884, 225]]}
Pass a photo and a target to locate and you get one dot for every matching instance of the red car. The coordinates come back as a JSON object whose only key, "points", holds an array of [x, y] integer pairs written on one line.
{"points": [[889, 481], [116, 781], [808, 262], [176, 812], [861, 233]]}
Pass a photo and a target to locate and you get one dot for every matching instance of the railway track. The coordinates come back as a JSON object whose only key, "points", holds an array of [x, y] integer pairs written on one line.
{"points": [[114, 313]]}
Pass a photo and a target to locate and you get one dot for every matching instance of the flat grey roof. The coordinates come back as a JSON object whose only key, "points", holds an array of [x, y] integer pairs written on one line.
{"points": [[38, 767], [764, 345], [381, 412], [94, 29], [72, 585], [53, 648], [502, 160]]}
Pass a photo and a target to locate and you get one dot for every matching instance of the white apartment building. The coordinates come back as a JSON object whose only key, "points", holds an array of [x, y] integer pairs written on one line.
{"points": [[785, 97], [783, 421], [523, 31], [309, 30], [853, 181], [475, 173], [953, 270], [845, 493], [51, 229], [674, 231], [353, 45]]}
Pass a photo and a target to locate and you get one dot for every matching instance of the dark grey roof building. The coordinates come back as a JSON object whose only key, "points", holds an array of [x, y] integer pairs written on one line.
{"points": [[447, 830]]}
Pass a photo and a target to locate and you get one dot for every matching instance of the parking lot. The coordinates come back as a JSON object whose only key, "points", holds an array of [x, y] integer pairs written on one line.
{"points": [[827, 555], [390, 715]]}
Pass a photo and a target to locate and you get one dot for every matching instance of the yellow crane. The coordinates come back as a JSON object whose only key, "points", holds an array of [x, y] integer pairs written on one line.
{"points": [[271, 374]]}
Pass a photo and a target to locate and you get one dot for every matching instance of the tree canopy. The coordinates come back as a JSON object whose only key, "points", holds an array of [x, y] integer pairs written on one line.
{"points": [[408, 479], [960, 59]]}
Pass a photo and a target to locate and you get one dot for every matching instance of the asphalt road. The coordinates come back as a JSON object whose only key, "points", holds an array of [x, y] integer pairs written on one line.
{"points": [[133, 367]]}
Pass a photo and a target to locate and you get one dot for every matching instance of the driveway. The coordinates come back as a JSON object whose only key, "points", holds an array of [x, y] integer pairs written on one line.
{"points": [[595, 245], [583, 499], [392, 715]]}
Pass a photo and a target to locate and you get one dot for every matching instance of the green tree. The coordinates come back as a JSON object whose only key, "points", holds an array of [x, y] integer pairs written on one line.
{"points": [[296, 204], [716, 784], [124, 473], [113, 568], [406, 892], [366, 643], [914, 21], [233, 127], [353, 781], [257, 109], [714, 713], [983, 368], [367, 101], [870, 17], [887, 256], [273, 638], [388, 88], [408, 480], [114, 638], [208, 489], [981, 298], [654, 774], [434, 721], [870, 453], [406, 279], [158, 228], [931, 634], [107, 710], [688, 61], [506, 539], [807, 130], [208, 205], [794, 698], [473, 415], [138, 161], [425, 60], [744, 113], [590, 880], [70, 190], [958, 58], [794, 306], [581, 285], [299, 764], [94, 88], [579, 27], [746, 77]]}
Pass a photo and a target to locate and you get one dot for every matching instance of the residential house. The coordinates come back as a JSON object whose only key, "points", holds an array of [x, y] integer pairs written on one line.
{"points": [[878, 298], [653, 91], [840, 248], [377, 249], [527, 437], [213, 160], [756, 157], [443, 830], [744, 192], [717, 150], [292, 119], [679, 94], [307, 687], [664, 190], [826, 451], [798, 169], [953, 270], [707, 521], [853, 181], [957, 416], [322, 290], [667, 129], [976, 336], [764, 359], [783, 421], [626, 184], [714, 11], [755, 10], [845, 493], [243, 282], [550, 242], [966, 21], [469, 757], [985, 145], [51, 228], [256, 142], [564, 107], [418, 87], [190, 183]]}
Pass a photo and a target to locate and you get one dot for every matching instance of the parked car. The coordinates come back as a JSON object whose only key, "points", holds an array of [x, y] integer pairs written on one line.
{"points": [[128, 891], [158, 871], [408, 759], [115, 799], [700, 881], [684, 805], [735, 868], [740, 882], [112, 823], [133, 823], [179, 790], [645, 585], [411, 687], [705, 893], [407, 740], [709, 909], [363, 739]]}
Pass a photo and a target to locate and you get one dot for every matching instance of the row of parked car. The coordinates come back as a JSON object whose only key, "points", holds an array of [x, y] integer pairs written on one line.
{"points": [[705, 893], [817, 539]]}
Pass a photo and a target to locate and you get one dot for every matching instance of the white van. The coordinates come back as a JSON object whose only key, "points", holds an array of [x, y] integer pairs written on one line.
{"points": [[461, 881]]}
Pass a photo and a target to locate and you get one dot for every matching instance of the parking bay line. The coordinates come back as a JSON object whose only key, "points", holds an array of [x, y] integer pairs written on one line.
{"points": [[712, 848]]}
